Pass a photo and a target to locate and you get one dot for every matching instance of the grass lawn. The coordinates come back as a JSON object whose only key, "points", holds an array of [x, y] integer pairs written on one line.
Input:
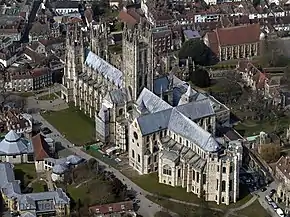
{"points": [[254, 210], [98, 155], [150, 183], [76, 126], [184, 210], [39, 186], [250, 128], [222, 85], [25, 173], [94, 191], [48, 97], [25, 94]]}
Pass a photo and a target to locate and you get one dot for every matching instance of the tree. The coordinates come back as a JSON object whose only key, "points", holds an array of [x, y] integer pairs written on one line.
{"points": [[200, 77], [270, 152], [93, 165], [199, 52]]}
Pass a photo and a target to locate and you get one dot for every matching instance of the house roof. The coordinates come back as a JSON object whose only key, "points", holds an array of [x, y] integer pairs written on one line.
{"points": [[127, 18], [41, 148], [13, 144], [283, 165], [238, 35], [112, 208]]}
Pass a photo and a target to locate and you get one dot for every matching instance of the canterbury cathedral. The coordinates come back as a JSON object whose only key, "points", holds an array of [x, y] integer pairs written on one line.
{"points": [[163, 124]]}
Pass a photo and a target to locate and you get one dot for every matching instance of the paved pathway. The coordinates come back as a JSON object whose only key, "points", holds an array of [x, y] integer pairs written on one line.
{"points": [[147, 207], [248, 203]]}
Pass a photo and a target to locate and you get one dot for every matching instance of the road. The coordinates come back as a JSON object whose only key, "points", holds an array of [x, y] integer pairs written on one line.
{"points": [[262, 200], [147, 207]]}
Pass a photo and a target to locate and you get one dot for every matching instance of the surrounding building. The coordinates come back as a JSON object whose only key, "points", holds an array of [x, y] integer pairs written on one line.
{"points": [[12, 119], [60, 166], [125, 208], [234, 42], [43, 148], [28, 79], [51, 203], [16, 149], [283, 175]]}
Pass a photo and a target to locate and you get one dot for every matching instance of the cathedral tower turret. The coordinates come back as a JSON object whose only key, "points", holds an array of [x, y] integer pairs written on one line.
{"points": [[137, 60]]}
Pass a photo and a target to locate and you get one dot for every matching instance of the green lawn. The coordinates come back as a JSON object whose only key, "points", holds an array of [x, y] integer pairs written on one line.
{"points": [[47, 97], [185, 210], [254, 210], [25, 94], [98, 155], [39, 186], [150, 183], [25, 173], [94, 191], [250, 128], [76, 126]]}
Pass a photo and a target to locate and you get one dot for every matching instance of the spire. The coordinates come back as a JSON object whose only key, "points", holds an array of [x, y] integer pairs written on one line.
{"points": [[189, 92]]}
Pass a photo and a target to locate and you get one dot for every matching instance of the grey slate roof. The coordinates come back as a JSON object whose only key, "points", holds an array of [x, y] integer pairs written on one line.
{"points": [[158, 115], [177, 122], [104, 68], [176, 152], [120, 96], [148, 101], [197, 109], [8, 184], [62, 164], [60, 168], [34, 202], [14, 144]]}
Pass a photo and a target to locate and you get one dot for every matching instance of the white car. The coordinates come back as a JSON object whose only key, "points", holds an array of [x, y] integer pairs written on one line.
{"points": [[280, 212], [269, 199], [274, 205]]}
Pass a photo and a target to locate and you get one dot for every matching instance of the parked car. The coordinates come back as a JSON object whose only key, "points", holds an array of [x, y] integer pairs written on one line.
{"points": [[46, 130], [280, 212], [268, 199], [263, 189], [274, 205], [272, 192]]}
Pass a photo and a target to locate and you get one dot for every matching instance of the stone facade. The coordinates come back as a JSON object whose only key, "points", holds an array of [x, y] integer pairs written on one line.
{"points": [[148, 114]]}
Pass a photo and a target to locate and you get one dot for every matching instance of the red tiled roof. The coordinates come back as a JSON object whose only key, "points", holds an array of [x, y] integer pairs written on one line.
{"points": [[41, 148], [112, 208], [127, 18], [238, 35], [213, 42]]}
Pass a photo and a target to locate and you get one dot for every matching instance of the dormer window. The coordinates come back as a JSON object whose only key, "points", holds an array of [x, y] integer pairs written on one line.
{"points": [[123, 207], [110, 209]]}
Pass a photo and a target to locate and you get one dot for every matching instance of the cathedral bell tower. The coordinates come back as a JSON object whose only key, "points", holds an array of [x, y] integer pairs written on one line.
{"points": [[137, 59], [74, 60], [99, 39]]}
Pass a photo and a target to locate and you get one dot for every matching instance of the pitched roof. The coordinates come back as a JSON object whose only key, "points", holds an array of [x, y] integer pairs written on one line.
{"points": [[41, 148], [99, 65], [13, 144], [112, 208], [127, 18], [238, 35]]}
